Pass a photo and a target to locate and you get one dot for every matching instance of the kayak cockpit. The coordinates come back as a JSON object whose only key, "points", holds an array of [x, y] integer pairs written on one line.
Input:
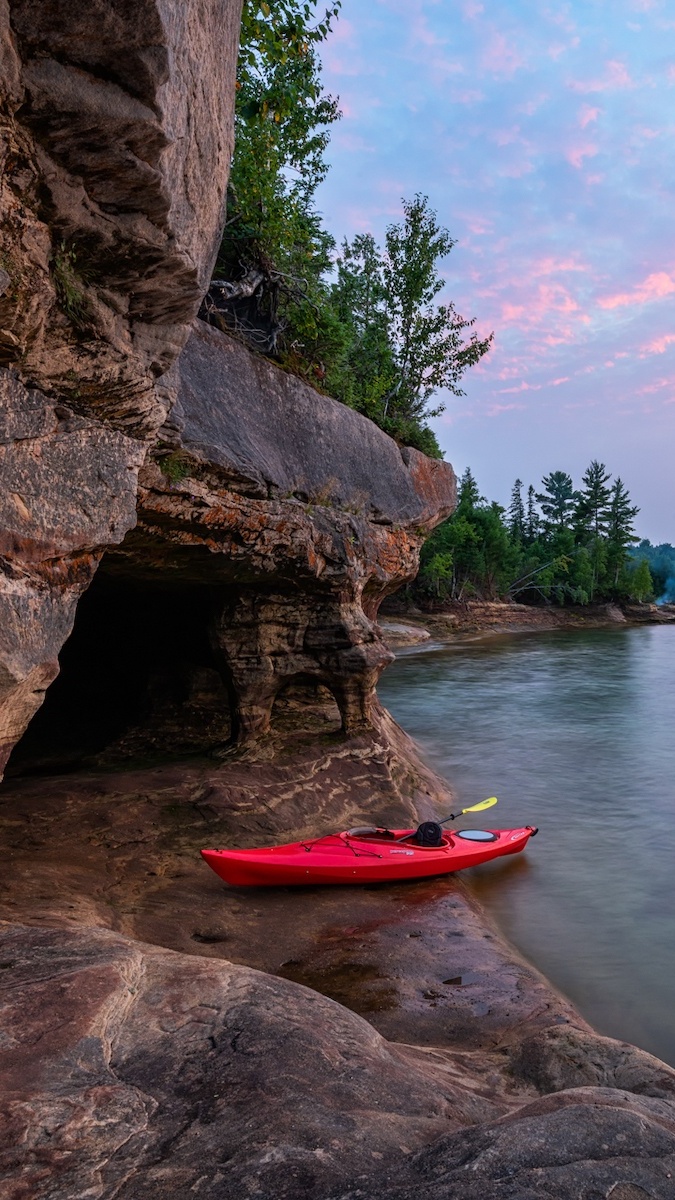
{"points": [[388, 837]]}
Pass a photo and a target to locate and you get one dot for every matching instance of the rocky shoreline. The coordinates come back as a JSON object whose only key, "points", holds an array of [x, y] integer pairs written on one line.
{"points": [[320, 1043], [194, 548], [403, 625]]}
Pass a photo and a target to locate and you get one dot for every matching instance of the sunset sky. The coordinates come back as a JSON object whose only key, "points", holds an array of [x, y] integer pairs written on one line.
{"points": [[543, 134]]}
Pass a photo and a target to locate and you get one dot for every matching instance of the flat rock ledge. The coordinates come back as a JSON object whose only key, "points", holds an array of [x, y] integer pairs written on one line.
{"points": [[130, 1071]]}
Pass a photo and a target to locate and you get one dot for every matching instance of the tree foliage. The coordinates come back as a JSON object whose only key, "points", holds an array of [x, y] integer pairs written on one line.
{"points": [[368, 328], [661, 562], [574, 549]]}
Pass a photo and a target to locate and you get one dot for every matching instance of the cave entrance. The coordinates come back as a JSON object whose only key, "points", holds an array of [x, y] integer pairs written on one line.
{"points": [[305, 705], [138, 682]]}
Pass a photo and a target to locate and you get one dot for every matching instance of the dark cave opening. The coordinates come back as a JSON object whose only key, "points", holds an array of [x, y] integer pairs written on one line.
{"points": [[139, 680]]}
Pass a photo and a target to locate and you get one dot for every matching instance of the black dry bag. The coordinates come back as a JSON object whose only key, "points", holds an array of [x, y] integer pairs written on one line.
{"points": [[429, 833]]}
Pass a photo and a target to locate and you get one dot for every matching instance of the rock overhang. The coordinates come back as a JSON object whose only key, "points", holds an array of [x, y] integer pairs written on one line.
{"points": [[272, 436]]}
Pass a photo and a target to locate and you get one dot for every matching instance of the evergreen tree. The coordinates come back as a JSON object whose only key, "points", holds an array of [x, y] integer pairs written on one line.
{"points": [[274, 250], [517, 512], [532, 520], [620, 528], [468, 495], [477, 552], [592, 507], [558, 500]]}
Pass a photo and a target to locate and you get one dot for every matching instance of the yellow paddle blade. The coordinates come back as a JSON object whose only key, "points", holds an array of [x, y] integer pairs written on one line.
{"points": [[479, 807]]}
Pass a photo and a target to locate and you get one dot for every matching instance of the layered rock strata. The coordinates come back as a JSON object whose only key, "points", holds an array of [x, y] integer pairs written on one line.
{"points": [[299, 513], [115, 140]]}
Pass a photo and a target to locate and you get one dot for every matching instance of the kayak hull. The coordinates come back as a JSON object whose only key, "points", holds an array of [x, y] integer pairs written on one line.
{"points": [[342, 858]]}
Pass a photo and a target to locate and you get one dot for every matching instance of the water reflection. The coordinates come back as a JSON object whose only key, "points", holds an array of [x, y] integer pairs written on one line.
{"points": [[574, 733]]}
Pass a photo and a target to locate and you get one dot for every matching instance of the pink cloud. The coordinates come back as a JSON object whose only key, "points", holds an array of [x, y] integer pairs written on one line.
{"points": [[420, 31], [555, 296], [532, 106], [506, 137], [472, 9], [656, 386], [512, 312], [576, 154], [479, 225], [588, 114], [522, 387], [468, 96], [496, 410], [557, 382], [343, 31], [517, 170], [617, 78], [501, 57], [655, 287], [550, 266], [659, 345]]}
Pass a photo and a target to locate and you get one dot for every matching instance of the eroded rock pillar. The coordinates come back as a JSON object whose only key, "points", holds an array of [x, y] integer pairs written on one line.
{"points": [[266, 641]]}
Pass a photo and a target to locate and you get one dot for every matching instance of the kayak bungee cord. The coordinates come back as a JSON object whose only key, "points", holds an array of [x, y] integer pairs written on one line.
{"points": [[357, 853]]}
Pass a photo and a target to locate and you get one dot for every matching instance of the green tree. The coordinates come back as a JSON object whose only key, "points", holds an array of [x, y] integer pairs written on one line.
{"points": [[468, 494], [620, 529], [641, 584], [437, 573], [557, 501], [363, 374], [427, 339], [532, 519], [517, 523], [274, 250], [592, 508]]}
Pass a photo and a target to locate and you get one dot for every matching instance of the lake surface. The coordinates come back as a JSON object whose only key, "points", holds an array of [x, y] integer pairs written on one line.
{"points": [[575, 733]]}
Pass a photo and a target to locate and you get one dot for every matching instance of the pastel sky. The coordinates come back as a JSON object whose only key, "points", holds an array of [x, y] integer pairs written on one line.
{"points": [[543, 133]]}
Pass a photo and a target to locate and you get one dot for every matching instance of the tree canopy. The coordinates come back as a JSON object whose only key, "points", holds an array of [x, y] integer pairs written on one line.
{"points": [[565, 546], [365, 324]]}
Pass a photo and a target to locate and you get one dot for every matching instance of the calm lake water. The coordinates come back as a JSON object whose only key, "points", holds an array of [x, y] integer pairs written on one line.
{"points": [[575, 733]]}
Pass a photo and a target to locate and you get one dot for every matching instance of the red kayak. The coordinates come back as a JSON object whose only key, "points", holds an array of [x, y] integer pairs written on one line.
{"points": [[365, 856]]}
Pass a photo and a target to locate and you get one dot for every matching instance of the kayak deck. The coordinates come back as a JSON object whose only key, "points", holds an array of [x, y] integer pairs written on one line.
{"points": [[346, 858]]}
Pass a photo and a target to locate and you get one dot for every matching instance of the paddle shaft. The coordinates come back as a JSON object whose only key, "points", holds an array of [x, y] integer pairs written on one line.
{"points": [[473, 808]]}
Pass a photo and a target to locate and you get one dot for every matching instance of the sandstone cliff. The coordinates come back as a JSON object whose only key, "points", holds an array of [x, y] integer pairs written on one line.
{"points": [[115, 140], [219, 683]]}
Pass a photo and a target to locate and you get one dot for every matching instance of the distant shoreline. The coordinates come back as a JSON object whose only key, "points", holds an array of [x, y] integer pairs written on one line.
{"points": [[406, 627]]}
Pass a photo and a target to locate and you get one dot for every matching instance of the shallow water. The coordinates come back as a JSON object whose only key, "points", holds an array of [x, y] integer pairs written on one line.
{"points": [[575, 732]]}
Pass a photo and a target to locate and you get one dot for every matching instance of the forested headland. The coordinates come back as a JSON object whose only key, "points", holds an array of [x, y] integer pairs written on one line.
{"points": [[561, 545], [363, 323], [359, 321]]}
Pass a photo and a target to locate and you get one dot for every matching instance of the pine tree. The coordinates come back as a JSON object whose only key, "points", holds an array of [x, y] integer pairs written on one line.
{"points": [[517, 512], [468, 496], [620, 528], [532, 525], [591, 515], [558, 500]]}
